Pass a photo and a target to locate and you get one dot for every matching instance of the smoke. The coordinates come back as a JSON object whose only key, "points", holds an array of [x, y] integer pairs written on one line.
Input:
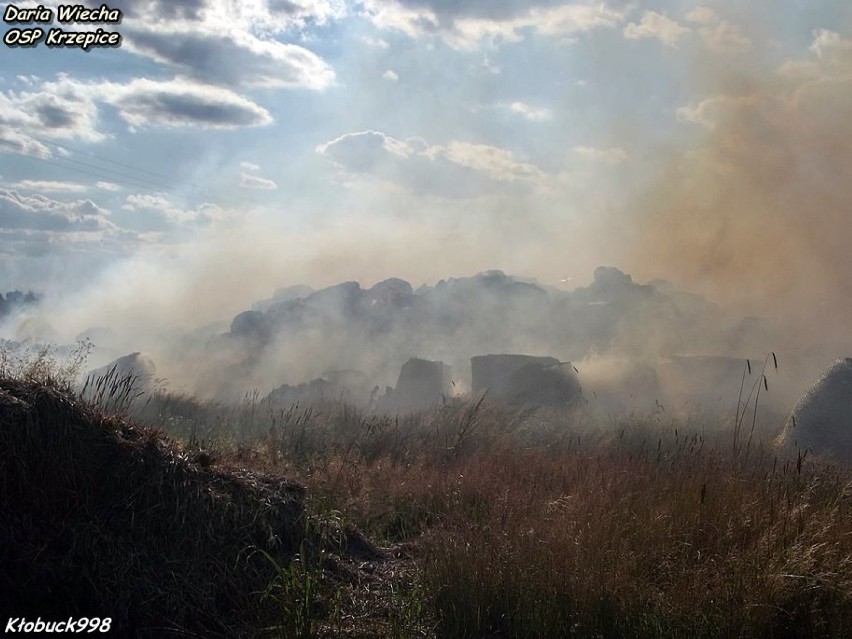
{"points": [[756, 213], [743, 200]]}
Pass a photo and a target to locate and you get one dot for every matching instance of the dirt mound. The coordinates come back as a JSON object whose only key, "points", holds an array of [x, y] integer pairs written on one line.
{"points": [[100, 518]]}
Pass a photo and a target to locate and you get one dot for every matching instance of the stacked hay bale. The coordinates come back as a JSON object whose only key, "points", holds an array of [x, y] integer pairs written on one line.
{"points": [[526, 379]]}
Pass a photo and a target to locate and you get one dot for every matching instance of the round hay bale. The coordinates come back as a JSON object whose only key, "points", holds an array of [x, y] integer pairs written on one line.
{"points": [[822, 420]]}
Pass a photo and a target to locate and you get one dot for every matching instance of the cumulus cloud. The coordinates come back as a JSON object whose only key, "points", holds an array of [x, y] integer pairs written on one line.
{"points": [[390, 76], [250, 166], [22, 144], [232, 58], [567, 19], [465, 26], [232, 44], [534, 114], [180, 102], [719, 35], [704, 113], [60, 109], [702, 15], [212, 46], [68, 108], [375, 42], [831, 56], [498, 164], [455, 170], [165, 209], [249, 181], [108, 186], [39, 213], [833, 51], [50, 186], [725, 37], [657, 26], [614, 155]]}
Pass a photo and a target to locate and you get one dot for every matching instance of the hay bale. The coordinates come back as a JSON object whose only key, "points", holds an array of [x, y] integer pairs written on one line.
{"points": [[101, 518], [134, 365], [538, 384], [491, 372], [822, 420], [421, 383]]}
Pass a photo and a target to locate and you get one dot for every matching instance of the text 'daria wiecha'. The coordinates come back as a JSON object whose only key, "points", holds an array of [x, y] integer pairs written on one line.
{"points": [[30, 27]]}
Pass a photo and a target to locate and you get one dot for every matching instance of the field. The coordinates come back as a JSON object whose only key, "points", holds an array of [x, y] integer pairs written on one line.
{"points": [[473, 519]]}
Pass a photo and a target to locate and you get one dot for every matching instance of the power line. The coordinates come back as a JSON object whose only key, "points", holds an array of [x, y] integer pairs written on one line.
{"points": [[194, 201], [78, 170], [105, 159], [118, 173]]}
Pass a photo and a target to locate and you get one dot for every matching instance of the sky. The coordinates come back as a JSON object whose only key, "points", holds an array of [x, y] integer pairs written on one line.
{"points": [[227, 149]]}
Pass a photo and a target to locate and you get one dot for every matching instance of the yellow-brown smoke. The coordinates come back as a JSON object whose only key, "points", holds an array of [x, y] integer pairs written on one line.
{"points": [[759, 211]]}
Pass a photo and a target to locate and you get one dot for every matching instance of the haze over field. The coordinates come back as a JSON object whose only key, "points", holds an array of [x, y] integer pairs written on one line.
{"points": [[229, 149]]}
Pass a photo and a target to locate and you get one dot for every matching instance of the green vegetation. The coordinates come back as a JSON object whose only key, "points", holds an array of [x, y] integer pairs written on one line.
{"points": [[489, 522]]}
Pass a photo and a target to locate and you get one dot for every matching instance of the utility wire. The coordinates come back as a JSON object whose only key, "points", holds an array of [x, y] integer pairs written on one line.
{"points": [[104, 159], [118, 173], [192, 201], [78, 170]]}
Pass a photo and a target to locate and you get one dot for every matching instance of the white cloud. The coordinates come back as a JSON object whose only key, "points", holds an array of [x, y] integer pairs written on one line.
{"points": [[249, 166], [29, 80], [50, 186], [68, 109], [180, 102], [20, 143], [573, 18], [613, 155], [231, 58], [249, 181], [158, 203], [465, 26], [232, 43], [108, 186], [702, 15], [534, 114], [393, 15], [489, 65], [701, 113], [390, 75], [725, 37], [499, 164], [39, 213], [709, 113], [831, 57], [719, 35], [456, 170], [61, 109], [658, 26], [832, 49], [375, 42]]}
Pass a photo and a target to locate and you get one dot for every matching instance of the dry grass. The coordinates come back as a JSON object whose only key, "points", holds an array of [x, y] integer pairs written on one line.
{"points": [[100, 518], [546, 524], [496, 522], [535, 544]]}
